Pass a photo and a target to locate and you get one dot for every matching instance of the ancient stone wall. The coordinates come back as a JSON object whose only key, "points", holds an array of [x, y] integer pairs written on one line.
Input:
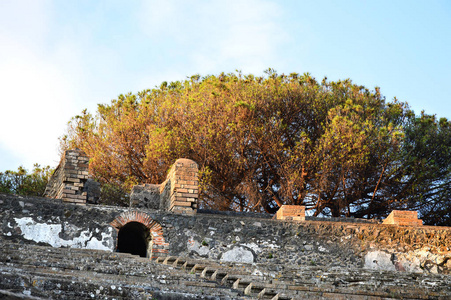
{"points": [[231, 238], [178, 193], [145, 196]]}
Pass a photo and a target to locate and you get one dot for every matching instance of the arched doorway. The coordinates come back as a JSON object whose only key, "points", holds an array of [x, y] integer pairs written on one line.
{"points": [[134, 238], [139, 234]]}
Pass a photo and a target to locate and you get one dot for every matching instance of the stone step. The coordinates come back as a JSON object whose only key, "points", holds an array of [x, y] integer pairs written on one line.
{"points": [[59, 253], [38, 278], [24, 263], [173, 274], [45, 284], [71, 263], [114, 267], [243, 282], [314, 280]]}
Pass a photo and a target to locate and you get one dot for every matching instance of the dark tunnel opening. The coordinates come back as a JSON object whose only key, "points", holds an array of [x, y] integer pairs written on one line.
{"points": [[133, 238]]}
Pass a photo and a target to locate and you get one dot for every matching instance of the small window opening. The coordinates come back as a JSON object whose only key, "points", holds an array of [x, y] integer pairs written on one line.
{"points": [[134, 238]]}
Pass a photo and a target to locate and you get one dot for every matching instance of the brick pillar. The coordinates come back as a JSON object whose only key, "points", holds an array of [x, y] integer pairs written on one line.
{"points": [[68, 180], [291, 212], [403, 217], [184, 187]]}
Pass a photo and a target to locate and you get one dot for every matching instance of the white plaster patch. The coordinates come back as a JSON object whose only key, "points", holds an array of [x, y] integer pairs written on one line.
{"points": [[254, 247], [268, 245], [379, 260], [411, 265], [49, 233], [412, 261], [257, 224], [257, 272], [195, 246], [97, 244], [238, 255], [308, 247], [322, 249]]}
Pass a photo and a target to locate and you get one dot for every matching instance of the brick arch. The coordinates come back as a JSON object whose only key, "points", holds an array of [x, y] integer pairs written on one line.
{"points": [[159, 245]]}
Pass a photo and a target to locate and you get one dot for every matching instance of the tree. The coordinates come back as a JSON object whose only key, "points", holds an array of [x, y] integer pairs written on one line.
{"points": [[21, 182], [427, 161], [260, 142]]}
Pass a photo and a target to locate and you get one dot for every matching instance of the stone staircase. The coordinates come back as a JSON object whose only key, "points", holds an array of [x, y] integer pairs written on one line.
{"points": [[36, 272], [235, 278], [312, 282], [62, 273]]}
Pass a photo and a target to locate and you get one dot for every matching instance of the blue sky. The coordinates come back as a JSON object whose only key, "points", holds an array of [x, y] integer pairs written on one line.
{"points": [[59, 57]]}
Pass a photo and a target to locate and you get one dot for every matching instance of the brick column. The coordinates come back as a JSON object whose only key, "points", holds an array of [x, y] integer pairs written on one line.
{"points": [[184, 187], [403, 217], [68, 180], [291, 212]]}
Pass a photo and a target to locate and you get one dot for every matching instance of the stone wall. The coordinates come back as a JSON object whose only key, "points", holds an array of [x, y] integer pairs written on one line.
{"points": [[178, 193], [231, 238]]}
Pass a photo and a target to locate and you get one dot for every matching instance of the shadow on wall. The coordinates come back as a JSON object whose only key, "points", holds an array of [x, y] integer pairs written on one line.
{"points": [[135, 238], [139, 234]]}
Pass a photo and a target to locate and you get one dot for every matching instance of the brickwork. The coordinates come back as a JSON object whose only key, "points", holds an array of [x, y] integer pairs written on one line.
{"points": [[184, 187], [158, 244], [68, 181], [403, 217], [291, 212], [178, 193]]}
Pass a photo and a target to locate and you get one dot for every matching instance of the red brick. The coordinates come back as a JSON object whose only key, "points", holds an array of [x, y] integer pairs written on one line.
{"points": [[181, 203]]}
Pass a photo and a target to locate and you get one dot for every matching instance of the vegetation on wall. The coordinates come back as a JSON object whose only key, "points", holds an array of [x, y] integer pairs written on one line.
{"points": [[336, 147], [21, 182]]}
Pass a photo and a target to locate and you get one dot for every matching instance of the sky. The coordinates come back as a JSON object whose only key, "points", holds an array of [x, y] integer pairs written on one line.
{"points": [[59, 57]]}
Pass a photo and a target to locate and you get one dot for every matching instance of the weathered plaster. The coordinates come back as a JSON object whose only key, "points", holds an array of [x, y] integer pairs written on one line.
{"points": [[238, 255], [379, 260], [50, 234]]}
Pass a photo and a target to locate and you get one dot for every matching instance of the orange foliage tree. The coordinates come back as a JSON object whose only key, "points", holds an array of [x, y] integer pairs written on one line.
{"points": [[260, 142]]}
